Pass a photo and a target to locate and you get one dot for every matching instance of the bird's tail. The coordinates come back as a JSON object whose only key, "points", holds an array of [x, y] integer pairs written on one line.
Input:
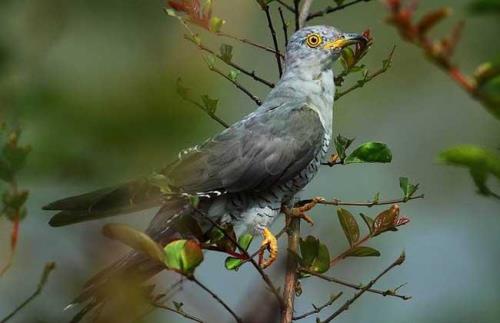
{"points": [[126, 198], [135, 268]]}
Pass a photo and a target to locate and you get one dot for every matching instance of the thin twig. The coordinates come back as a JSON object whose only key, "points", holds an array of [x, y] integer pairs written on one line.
{"points": [[368, 77], [273, 36], [181, 313], [250, 42], [245, 253], [284, 25], [286, 5], [217, 298], [49, 267], [211, 115], [331, 9], [318, 309], [293, 231], [230, 63], [349, 302], [388, 292], [237, 84], [296, 4], [337, 202]]}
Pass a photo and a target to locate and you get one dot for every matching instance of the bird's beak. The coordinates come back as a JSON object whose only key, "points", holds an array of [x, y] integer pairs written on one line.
{"points": [[345, 40]]}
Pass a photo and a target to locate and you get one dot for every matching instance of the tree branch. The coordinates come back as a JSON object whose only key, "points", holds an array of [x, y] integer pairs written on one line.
{"points": [[284, 25], [331, 9], [349, 302], [388, 292], [275, 40], [304, 12], [293, 231], [286, 5], [211, 115], [318, 309], [296, 4], [336, 202], [230, 63], [49, 267]]}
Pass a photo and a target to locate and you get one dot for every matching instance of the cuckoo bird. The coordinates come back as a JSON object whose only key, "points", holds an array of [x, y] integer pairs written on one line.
{"points": [[244, 174]]}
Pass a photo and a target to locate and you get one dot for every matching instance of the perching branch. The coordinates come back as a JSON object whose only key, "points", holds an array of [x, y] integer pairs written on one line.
{"points": [[388, 292], [318, 309], [349, 302], [49, 267], [331, 9], [293, 231], [252, 74]]}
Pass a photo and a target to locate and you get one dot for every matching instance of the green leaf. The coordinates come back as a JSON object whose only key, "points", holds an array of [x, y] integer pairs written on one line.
{"points": [[314, 255], [370, 152], [233, 75], [226, 53], [216, 24], [368, 221], [15, 200], [160, 181], [485, 7], [233, 263], [363, 252], [135, 239], [408, 188], [209, 104], [183, 256], [487, 77], [349, 225], [481, 163], [341, 145]]}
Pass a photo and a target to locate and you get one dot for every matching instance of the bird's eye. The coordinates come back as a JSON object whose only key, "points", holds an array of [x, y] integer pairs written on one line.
{"points": [[314, 40]]}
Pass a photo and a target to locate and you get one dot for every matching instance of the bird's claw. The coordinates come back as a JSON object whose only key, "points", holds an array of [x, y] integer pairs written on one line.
{"points": [[300, 212], [269, 243]]}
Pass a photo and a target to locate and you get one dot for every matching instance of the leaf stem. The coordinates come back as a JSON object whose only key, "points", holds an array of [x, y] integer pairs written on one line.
{"points": [[181, 313], [249, 42]]}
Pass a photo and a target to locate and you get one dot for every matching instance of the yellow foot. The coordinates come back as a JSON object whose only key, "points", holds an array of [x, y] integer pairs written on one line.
{"points": [[300, 212], [270, 244]]}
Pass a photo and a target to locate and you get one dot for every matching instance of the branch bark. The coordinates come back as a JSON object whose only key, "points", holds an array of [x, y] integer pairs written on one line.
{"points": [[293, 231]]}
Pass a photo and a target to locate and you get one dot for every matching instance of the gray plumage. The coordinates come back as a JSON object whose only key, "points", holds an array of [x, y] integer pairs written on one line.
{"points": [[245, 173]]}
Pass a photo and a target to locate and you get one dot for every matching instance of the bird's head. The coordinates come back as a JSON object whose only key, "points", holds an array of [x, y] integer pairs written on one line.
{"points": [[318, 46]]}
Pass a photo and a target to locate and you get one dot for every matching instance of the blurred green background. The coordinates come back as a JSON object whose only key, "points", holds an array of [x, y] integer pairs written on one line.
{"points": [[92, 84]]}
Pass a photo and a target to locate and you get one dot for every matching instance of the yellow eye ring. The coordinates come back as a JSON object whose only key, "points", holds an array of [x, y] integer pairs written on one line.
{"points": [[314, 40]]}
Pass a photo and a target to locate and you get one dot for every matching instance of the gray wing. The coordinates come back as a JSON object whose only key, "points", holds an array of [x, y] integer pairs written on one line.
{"points": [[266, 148]]}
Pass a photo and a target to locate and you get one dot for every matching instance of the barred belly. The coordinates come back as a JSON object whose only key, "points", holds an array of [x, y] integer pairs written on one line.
{"points": [[252, 212]]}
